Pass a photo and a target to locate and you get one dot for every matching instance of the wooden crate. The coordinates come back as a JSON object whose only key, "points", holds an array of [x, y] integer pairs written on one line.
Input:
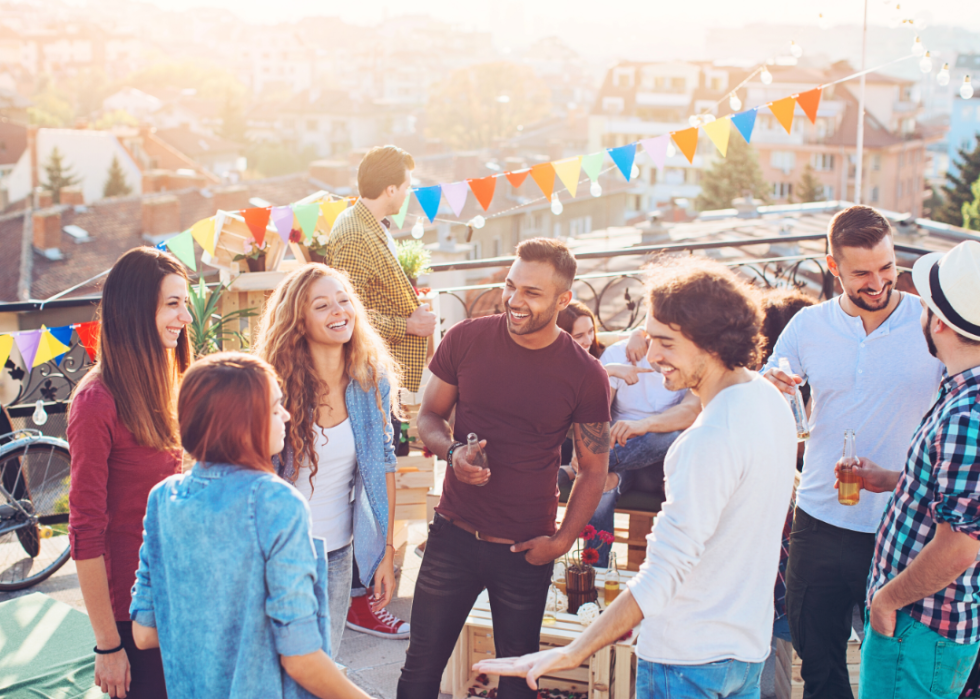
{"points": [[415, 476], [789, 681]]}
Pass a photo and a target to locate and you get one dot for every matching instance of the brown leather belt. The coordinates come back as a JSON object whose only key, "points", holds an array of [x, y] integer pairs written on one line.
{"points": [[470, 529]]}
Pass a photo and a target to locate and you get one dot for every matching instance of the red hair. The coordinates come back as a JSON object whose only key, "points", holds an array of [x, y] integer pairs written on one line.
{"points": [[225, 409]]}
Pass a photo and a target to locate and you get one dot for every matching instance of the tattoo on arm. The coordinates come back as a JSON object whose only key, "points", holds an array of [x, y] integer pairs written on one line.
{"points": [[593, 436]]}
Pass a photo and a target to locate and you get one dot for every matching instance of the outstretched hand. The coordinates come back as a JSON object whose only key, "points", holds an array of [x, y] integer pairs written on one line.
{"points": [[531, 666]]}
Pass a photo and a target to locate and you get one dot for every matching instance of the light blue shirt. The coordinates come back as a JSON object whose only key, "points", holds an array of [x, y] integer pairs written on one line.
{"points": [[879, 385]]}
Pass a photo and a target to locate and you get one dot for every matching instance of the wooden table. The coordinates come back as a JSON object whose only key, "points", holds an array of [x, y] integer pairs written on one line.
{"points": [[609, 674]]}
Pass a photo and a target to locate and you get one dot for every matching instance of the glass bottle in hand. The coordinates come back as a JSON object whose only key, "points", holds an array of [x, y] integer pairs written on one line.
{"points": [[796, 403], [474, 452], [848, 482]]}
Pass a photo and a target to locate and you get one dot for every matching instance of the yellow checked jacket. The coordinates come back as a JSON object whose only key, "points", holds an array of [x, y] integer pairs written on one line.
{"points": [[358, 245]]}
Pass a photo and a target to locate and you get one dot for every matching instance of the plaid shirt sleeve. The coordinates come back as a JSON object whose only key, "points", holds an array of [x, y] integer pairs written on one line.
{"points": [[957, 462], [346, 255]]}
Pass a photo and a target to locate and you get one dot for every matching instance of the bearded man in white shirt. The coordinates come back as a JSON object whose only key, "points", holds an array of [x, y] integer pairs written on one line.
{"points": [[703, 596]]}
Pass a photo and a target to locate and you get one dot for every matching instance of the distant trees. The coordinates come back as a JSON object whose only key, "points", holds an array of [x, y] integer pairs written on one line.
{"points": [[971, 210], [958, 188], [732, 177], [809, 187], [476, 105], [57, 175], [116, 185]]}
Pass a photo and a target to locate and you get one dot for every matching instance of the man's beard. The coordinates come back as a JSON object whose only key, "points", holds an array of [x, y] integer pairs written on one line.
{"points": [[927, 332], [859, 301], [680, 380], [534, 321]]}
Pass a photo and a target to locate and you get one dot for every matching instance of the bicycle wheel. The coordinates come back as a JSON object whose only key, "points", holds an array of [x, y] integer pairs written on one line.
{"points": [[35, 474]]}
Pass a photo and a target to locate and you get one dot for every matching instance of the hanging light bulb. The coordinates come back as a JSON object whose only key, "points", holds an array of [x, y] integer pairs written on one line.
{"points": [[418, 230], [917, 48], [795, 49], [822, 21], [671, 150], [634, 172], [477, 222], [765, 76], [556, 207], [694, 120], [707, 119], [595, 189], [966, 89], [734, 102], [925, 65], [40, 416], [943, 76]]}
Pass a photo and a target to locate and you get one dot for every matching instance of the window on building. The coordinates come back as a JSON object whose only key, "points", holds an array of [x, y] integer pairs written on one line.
{"points": [[784, 160], [828, 192], [623, 77], [717, 84], [678, 84], [874, 195], [498, 246], [901, 160], [613, 104], [876, 161], [782, 190], [556, 231], [824, 162]]}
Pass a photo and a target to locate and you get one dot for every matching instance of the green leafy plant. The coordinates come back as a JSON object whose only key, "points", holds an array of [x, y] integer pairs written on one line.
{"points": [[414, 259], [253, 251], [209, 328]]}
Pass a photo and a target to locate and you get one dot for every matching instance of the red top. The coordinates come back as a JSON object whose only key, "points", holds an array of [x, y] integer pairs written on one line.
{"points": [[522, 402], [111, 478]]}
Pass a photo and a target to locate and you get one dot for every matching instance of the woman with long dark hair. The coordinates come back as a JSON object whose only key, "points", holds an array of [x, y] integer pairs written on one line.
{"points": [[122, 432]]}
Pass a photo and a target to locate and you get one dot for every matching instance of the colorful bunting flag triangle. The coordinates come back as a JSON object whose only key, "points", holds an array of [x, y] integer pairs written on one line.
{"points": [[332, 209], [656, 148], [48, 347], [783, 111], [63, 335], [428, 198], [182, 246], [455, 193], [307, 215], [517, 178], [203, 233], [544, 176], [568, 171], [483, 189], [745, 123], [809, 102], [718, 131], [282, 219], [27, 343], [398, 219], [88, 335], [257, 221], [687, 141], [6, 344], [623, 157], [592, 164]]}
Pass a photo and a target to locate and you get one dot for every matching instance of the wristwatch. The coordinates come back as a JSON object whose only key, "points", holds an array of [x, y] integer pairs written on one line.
{"points": [[449, 454]]}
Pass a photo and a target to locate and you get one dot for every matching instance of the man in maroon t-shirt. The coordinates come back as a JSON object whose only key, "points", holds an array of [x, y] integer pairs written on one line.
{"points": [[519, 383]]}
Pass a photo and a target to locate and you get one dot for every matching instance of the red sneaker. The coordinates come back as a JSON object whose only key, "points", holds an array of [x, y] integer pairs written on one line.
{"points": [[360, 617]]}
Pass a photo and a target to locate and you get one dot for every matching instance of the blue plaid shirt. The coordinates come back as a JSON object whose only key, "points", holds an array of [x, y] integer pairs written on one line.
{"points": [[940, 483]]}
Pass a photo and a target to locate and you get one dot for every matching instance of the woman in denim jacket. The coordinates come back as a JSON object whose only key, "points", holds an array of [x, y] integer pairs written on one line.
{"points": [[227, 585], [339, 381]]}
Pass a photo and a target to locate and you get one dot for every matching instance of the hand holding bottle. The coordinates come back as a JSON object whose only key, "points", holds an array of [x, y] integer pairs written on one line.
{"points": [[873, 477], [468, 465]]}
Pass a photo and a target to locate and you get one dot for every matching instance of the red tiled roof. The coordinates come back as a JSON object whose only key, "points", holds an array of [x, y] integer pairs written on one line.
{"points": [[194, 144], [13, 141]]}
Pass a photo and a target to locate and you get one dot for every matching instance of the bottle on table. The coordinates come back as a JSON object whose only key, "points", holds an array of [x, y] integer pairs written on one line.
{"points": [[611, 586], [848, 482], [796, 403]]}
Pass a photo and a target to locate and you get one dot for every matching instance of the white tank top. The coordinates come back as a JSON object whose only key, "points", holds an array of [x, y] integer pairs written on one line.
{"points": [[332, 495]]}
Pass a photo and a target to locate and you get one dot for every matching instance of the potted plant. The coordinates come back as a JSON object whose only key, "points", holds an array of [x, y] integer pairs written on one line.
{"points": [[254, 255], [318, 247], [579, 573], [209, 329], [414, 259]]}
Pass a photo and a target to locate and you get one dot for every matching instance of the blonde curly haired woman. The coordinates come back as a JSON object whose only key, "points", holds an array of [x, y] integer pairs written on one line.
{"points": [[340, 384]]}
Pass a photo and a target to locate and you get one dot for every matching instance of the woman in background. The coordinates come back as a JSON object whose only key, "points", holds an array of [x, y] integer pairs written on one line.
{"points": [[122, 432]]}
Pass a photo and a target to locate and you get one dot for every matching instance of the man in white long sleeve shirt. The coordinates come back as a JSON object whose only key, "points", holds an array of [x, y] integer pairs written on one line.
{"points": [[704, 593]]}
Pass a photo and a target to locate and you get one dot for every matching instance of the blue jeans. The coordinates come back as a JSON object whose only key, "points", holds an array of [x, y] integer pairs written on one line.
{"points": [[915, 662], [725, 679], [340, 569]]}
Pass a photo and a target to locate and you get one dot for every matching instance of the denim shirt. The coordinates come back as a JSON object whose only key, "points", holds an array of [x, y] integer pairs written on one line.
{"points": [[374, 442], [227, 576]]}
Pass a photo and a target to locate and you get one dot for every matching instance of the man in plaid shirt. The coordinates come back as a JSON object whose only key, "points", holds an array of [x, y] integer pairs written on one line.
{"points": [[923, 620]]}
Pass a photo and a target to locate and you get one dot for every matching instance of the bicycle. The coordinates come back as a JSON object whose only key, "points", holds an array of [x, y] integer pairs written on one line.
{"points": [[35, 473]]}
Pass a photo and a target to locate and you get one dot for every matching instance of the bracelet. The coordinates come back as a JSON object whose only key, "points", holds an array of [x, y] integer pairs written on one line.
{"points": [[108, 652], [449, 454], [392, 547]]}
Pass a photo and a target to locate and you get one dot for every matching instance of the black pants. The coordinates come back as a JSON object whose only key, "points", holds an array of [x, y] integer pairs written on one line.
{"points": [[455, 570], [145, 667], [827, 574]]}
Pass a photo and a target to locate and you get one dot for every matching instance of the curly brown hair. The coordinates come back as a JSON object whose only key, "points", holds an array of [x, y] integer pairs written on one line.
{"points": [[709, 305]]}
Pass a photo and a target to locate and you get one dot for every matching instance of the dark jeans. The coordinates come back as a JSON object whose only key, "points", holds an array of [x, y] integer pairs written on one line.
{"points": [[455, 570], [827, 574], [145, 667]]}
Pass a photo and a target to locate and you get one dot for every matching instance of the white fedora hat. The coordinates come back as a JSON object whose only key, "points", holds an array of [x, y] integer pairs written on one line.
{"points": [[950, 285]]}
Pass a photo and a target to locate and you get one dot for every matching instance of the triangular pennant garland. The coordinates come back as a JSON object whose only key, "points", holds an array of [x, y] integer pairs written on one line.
{"points": [[783, 111], [568, 171], [203, 233], [592, 164], [623, 157], [182, 246], [48, 347], [483, 189], [718, 131], [656, 148], [257, 221], [6, 344], [544, 176], [63, 335], [517, 178], [88, 335], [27, 343], [455, 193], [809, 102], [398, 219], [331, 210], [687, 141], [428, 198], [307, 214], [282, 219], [745, 123]]}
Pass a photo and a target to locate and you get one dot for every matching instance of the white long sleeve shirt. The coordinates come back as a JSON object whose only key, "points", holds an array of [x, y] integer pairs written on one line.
{"points": [[706, 587]]}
